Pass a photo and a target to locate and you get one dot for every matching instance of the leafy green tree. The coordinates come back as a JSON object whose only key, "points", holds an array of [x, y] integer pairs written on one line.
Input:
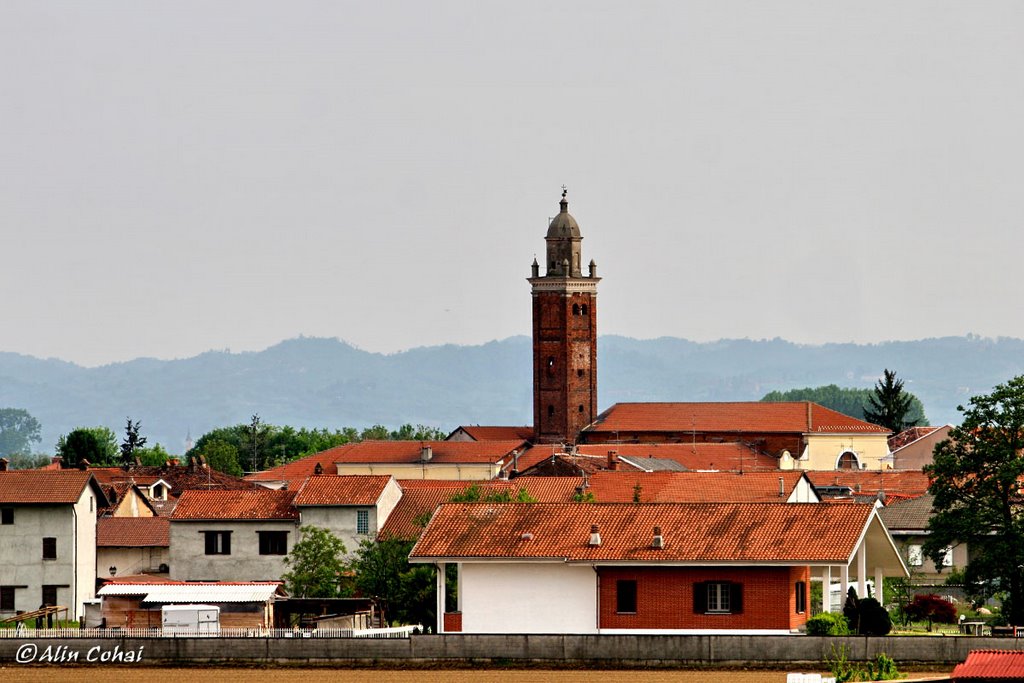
{"points": [[132, 442], [975, 478], [152, 456], [18, 431], [888, 405], [26, 461], [98, 445], [405, 591], [222, 456], [474, 493], [316, 565], [848, 401]]}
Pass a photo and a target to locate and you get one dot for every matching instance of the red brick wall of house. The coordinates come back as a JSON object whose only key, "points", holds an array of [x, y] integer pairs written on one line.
{"points": [[453, 622], [665, 597]]}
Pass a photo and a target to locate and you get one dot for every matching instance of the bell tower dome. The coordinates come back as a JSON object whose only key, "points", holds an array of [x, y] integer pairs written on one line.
{"points": [[564, 334]]}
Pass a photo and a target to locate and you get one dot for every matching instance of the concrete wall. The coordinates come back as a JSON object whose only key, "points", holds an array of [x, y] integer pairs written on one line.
{"points": [[130, 560], [551, 650], [341, 519], [189, 561], [74, 569], [528, 598]]}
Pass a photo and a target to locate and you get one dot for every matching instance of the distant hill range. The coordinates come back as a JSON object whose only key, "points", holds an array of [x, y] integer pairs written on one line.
{"points": [[327, 383]]}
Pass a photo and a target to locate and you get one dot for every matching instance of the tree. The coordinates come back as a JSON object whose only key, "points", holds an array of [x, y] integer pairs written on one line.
{"points": [[316, 565], [848, 401], [132, 442], [406, 592], [98, 445], [222, 456], [474, 493], [153, 456], [975, 479], [888, 405], [933, 608], [18, 431]]}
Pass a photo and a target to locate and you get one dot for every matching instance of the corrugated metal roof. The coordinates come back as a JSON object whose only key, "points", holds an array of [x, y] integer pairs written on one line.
{"points": [[990, 665], [195, 592]]}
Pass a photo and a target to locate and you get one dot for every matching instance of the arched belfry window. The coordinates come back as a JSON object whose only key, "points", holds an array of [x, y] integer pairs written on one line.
{"points": [[575, 309], [583, 309], [848, 460]]}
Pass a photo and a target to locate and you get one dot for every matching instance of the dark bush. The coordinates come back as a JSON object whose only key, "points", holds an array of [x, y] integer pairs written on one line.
{"points": [[874, 619]]}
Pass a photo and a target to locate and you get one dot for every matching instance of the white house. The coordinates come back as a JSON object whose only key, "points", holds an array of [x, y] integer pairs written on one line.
{"points": [[47, 539]]}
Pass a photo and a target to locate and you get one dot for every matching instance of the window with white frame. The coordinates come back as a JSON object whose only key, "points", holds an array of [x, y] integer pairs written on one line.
{"points": [[362, 521], [915, 557], [719, 595]]}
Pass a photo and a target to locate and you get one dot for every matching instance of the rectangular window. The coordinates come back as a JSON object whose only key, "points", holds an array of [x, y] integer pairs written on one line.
{"points": [[801, 597], [49, 548], [6, 515], [362, 521], [625, 597], [915, 558], [6, 598], [49, 595], [273, 542], [218, 542], [719, 597], [947, 557]]}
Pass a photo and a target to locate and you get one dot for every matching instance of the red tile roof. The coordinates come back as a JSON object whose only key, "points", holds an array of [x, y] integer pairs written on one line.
{"points": [[463, 452], [124, 532], [46, 486], [692, 487], [699, 532], [422, 496], [328, 489], [990, 666], [909, 435], [297, 471], [700, 456], [870, 482], [750, 416], [238, 505], [490, 433], [178, 477]]}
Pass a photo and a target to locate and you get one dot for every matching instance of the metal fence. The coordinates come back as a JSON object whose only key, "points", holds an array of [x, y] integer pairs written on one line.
{"points": [[394, 632]]}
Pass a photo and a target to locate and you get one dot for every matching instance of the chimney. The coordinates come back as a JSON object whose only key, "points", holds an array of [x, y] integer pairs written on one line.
{"points": [[58, 461], [3, 464], [515, 461], [613, 460], [881, 497], [782, 487], [659, 541], [202, 462], [83, 464], [426, 453], [595, 536], [138, 461], [191, 463], [175, 462], [319, 469]]}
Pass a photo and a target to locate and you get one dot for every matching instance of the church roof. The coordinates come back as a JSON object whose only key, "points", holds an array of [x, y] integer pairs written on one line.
{"points": [[564, 225]]}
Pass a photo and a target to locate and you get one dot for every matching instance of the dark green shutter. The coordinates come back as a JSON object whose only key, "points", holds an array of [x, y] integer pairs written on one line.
{"points": [[700, 598], [736, 598]]}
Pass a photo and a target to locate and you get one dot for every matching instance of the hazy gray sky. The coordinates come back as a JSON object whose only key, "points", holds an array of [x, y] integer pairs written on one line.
{"points": [[180, 176]]}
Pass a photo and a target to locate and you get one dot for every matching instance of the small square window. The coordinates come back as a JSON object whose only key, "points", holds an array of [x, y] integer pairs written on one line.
{"points": [[6, 515], [915, 558], [362, 521], [6, 598], [49, 548], [218, 542], [625, 597], [273, 542], [49, 596], [719, 598]]}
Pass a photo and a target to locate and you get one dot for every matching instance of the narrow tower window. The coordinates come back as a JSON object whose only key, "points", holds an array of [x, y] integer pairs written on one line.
{"points": [[575, 309], [583, 309], [551, 411]]}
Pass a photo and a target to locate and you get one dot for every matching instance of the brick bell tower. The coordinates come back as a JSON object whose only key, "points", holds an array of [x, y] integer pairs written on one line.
{"points": [[564, 335]]}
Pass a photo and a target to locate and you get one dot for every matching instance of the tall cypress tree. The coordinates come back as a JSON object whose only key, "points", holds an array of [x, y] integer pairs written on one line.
{"points": [[888, 405]]}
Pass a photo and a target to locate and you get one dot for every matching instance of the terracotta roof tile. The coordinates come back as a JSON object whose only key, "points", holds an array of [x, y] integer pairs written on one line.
{"points": [[468, 452], [297, 471], [907, 515], [179, 477], [909, 435], [870, 482], [692, 487], [125, 532], [422, 496], [44, 486], [491, 433], [326, 489], [750, 416], [699, 532], [993, 666], [239, 505]]}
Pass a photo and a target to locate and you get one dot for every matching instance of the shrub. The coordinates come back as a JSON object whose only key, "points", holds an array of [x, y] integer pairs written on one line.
{"points": [[873, 618], [827, 624]]}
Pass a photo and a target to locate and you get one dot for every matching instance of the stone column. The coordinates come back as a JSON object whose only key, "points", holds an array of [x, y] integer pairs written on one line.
{"points": [[826, 589], [442, 570], [844, 582], [879, 585], [862, 571]]}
